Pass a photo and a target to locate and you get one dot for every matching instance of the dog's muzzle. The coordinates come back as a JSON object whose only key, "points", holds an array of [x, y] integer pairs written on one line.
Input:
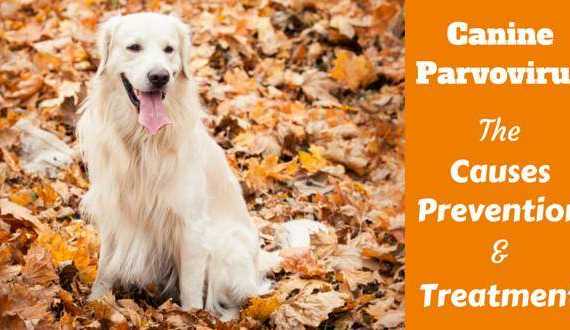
{"points": [[130, 92], [150, 106]]}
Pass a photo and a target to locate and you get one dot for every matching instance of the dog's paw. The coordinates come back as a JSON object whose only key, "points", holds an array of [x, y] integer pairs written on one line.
{"points": [[97, 292], [265, 287], [228, 314], [297, 233]]}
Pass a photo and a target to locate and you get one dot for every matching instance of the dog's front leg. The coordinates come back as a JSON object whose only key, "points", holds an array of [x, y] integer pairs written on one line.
{"points": [[104, 281], [193, 264]]}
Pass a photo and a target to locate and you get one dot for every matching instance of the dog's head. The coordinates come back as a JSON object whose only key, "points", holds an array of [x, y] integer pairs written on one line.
{"points": [[148, 53]]}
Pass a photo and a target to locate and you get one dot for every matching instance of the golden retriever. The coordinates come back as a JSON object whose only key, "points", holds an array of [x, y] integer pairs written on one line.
{"points": [[163, 197]]}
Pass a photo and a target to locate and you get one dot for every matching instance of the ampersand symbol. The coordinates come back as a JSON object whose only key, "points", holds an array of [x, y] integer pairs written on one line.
{"points": [[498, 248]]}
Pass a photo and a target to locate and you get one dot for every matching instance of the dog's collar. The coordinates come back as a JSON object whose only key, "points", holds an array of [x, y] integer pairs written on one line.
{"points": [[130, 91]]}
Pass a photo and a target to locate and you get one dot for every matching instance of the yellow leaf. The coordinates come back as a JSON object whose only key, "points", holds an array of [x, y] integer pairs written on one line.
{"points": [[261, 308], [244, 139], [256, 176], [312, 161], [260, 174], [76, 250], [352, 71], [240, 82], [56, 245]]}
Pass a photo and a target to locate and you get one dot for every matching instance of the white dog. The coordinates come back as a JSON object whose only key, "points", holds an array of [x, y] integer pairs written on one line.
{"points": [[166, 203]]}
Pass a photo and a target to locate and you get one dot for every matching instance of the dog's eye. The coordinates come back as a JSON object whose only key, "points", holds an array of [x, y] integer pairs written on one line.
{"points": [[168, 49], [134, 48]]}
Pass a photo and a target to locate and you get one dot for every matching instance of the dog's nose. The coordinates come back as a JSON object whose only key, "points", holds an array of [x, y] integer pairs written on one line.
{"points": [[158, 77]]}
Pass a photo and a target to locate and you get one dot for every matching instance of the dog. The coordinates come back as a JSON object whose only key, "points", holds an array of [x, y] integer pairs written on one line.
{"points": [[166, 204]]}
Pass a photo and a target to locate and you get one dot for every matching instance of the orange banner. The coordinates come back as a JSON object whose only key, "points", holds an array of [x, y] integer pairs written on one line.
{"points": [[487, 168]]}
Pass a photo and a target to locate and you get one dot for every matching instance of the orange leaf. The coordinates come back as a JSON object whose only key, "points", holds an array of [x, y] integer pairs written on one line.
{"points": [[352, 71], [301, 261], [312, 161], [23, 197], [46, 193], [261, 308]]}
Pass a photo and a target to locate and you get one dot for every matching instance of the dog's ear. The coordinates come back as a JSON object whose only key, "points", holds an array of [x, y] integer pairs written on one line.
{"points": [[104, 40], [185, 45]]}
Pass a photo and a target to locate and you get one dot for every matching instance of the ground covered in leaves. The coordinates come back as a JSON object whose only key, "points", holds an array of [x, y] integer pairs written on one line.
{"points": [[305, 96]]}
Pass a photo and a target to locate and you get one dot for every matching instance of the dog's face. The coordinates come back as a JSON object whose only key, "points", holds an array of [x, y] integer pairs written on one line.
{"points": [[148, 52]]}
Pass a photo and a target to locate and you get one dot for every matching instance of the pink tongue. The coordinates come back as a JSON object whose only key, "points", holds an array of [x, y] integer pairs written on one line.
{"points": [[152, 114]]}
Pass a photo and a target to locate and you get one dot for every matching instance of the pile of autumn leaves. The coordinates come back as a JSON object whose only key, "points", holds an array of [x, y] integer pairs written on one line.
{"points": [[305, 96]]}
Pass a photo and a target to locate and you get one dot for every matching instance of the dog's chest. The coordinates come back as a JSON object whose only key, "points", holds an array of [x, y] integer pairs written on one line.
{"points": [[156, 184]]}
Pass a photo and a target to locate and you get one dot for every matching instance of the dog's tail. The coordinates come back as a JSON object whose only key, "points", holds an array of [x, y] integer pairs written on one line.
{"points": [[267, 261], [291, 234]]}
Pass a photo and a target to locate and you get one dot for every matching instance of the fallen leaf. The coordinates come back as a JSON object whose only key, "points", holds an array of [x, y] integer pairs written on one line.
{"points": [[27, 87], [43, 152], [352, 71], [266, 36], [309, 310], [312, 161], [343, 25], [38, 268], [21, 213], [262, 308], [318, 86], [391, 319], [301, 261]]}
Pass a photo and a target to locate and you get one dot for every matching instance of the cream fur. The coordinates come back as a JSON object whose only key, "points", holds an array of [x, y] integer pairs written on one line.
{"points": [[168, 207]]}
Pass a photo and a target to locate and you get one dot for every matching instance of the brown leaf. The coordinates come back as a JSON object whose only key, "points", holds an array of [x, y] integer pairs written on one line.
{"points": [[8, 137], [354, 278], [301, 261], [27, 87], [106, 309], [240, 82], [30, 33], [307, 309], [68, 303], [318, 86], [29, 303], [21, 213], [38, 268], [10, 159], [379, 307], [391, 319]]}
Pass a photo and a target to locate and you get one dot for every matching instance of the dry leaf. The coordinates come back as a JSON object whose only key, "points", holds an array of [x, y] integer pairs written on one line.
{"points": [[38, 268], [352, 71], [343, 25], [310, 310], [291, 95], [260, 174], [20, 213], [43, 152], [106, 309], [262, 308], [318, 86], [312, 161], [391, 319], [240, 82], [301, 261], [266, 36]]}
